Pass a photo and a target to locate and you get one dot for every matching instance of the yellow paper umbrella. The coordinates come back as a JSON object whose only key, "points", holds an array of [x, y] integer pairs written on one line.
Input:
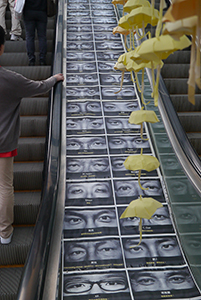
{"points": [[181, 27], [141, 162], [139, 116], [139, 18], [143, 208], [156, 49], [132, 4]]}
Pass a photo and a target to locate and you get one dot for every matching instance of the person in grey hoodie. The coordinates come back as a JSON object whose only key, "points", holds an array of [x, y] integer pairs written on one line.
{"points": [[13, 87]]}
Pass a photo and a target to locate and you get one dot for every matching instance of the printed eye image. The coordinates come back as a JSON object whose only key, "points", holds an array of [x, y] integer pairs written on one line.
{"points": [[82, 79], [87, 165], [83, 107], [160, 217], [78, 13], [151, 247], [105, 20], [99, 28], [154, 187], [114, 124], [75, 219], [78, 7], [86, 143], [101, 283], [106, 249], [82, 92], [188, 214], [80, 56], [105, 67], [84, 124], [88, 190], [79, 46], [79, 28], [79, 37], [128, 142], [76, 20], [113, 45], [120, 106], [102, 36], [101, 6], [126, 188], [81, 67], [114, 79], [125, 92], [161, 280], [109, 55], [104, 13]]}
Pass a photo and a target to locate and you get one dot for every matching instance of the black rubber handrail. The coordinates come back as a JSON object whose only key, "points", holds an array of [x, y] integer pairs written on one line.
{"points": [[31, 286]]}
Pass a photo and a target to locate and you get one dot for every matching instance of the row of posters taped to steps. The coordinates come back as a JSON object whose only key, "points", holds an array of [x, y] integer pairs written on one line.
{"points": [[99, 260]]}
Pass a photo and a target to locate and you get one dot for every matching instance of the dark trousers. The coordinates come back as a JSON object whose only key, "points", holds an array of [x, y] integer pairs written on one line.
{"points": [[36, 21]]}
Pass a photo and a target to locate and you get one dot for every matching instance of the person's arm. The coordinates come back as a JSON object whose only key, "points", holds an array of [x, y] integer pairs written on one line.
{"points": [[24, 87]]}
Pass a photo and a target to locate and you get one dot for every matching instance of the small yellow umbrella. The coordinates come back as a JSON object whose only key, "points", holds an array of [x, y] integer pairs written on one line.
{"points": [[139, 116], [132, 4], [124, 32], [139, 18], [141, 162], [143, 208], [156, 49]]}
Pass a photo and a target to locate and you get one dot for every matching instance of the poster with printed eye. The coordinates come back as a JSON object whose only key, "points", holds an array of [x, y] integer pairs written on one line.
{"points": [[160, 222], [86, 145], [87, 167], [90, 222], [154, 251], [89, 254], [85, 125], [83, 108], [129, 190], [128, 144], [102, 285], [104, 256], [82, 193]]}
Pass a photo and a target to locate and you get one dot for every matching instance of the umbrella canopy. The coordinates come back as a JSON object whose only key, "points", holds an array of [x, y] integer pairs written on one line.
{"points": [[119, 29], [161, 47], [132, 4], [143, 208], [139, 116], [139, 18], [141, 162]]}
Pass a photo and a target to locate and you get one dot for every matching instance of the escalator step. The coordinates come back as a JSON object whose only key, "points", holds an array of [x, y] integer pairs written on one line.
{"points": [[16, 252], [178, 57], [13, 276], [190, 121], [34, 106], [181, 103], [31, 149], [26, 207], [28, 176], [20, 59], [172, 71], [33, 126], [178, 86], [16, 47]]}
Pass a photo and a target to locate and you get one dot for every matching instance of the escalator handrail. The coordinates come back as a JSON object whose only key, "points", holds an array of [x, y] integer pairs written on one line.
{"points": [[186, 154], [32, 282]]}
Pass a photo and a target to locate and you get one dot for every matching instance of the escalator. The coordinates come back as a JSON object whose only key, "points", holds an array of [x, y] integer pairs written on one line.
{"points": [[28, 164]]}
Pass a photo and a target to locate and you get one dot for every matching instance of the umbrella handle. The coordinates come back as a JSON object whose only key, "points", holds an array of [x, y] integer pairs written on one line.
{"points": [[140, 230], [141, 133], [139, 174], [122, 79]]}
